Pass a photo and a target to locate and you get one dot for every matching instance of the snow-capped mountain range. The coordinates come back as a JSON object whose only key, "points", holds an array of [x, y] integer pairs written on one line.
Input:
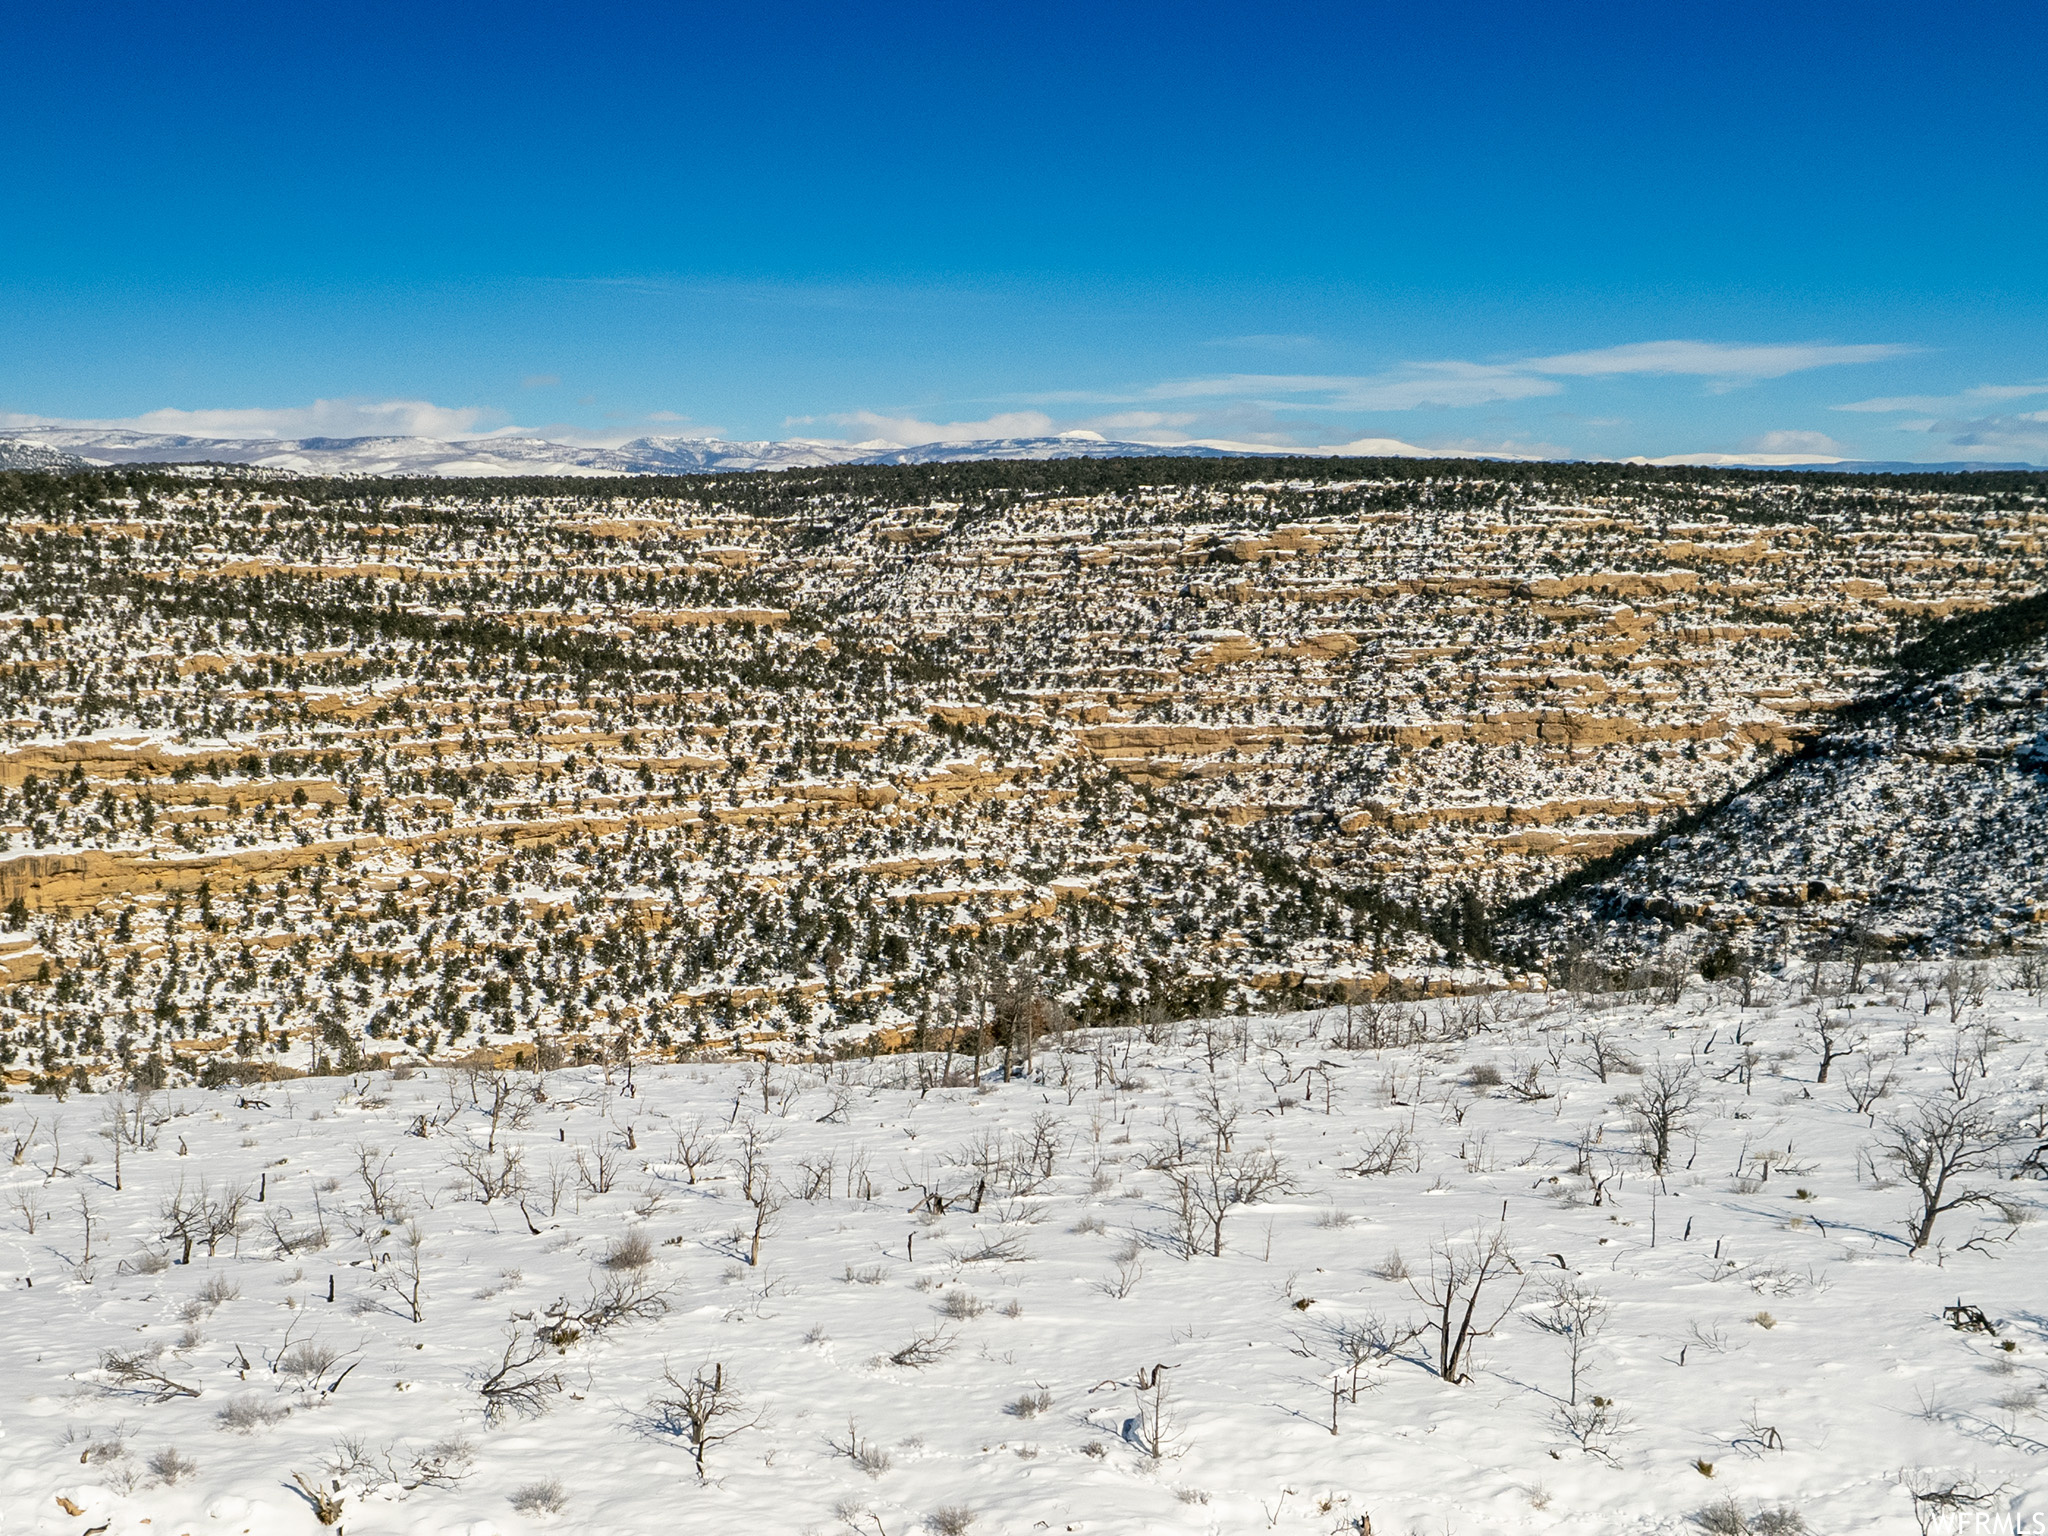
{"points": [[75, 447], [48, 448]]}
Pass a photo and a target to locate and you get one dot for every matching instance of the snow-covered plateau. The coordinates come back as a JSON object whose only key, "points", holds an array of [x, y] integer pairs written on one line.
{"points": [[1610, 1262]]}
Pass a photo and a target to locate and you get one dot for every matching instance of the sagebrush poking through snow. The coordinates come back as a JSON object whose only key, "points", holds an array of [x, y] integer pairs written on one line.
{"points": [[1027, 1300]]}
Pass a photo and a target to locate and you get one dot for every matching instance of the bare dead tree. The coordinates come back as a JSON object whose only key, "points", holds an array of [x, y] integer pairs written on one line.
{"points": [[404, 1270], [1578, 1316], [695, 1146], [1156, 1426], [1835, 1035], [204, 1215], [1460, 1274], [597, 1167], [374, 1169], [1602, 1055], [1209, 1188], [1935, 1144], [491, 1175], [1662, 1106], [704, 1410], [139, 1373]]}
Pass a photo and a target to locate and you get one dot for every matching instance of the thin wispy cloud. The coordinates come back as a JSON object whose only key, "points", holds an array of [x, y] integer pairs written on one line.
{"points": [[2023, 436], [1407, 388], [1795, 442], [1453, 383], [323, 418], [1981, 395], [1711, 360], [911, 431]]}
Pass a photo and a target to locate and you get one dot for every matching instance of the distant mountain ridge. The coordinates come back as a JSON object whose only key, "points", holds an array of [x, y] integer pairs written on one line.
{"points": [[61, 448], [77, 447]]}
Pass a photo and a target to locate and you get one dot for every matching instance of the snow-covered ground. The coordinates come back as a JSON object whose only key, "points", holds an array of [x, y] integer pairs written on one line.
{"points": [[1753, 1325]]}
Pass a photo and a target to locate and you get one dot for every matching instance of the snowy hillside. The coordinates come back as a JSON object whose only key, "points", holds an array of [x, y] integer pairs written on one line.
{"points": [[27, 455], [1922, 818], [1516, 1263]]}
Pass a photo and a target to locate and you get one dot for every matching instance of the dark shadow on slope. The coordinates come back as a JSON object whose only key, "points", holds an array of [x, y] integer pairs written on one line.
{"points": [[1949, 647]]}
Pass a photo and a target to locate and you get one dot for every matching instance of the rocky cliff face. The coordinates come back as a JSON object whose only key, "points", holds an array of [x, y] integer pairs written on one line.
{"points": [[797, 757]]}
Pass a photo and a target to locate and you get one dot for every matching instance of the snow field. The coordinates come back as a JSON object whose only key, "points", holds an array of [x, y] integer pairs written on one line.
{"points": [[886, 1366]]}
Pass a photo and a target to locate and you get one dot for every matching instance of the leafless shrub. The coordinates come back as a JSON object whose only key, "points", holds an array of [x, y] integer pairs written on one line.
{"points": [[443, 1464], [218, 1290], [374, 1169], [1872, 1079], [307, 1361], [598, 1167], [817, 1177], [491, 1175], [622, 1295], [1368, 1343], [519, 1383], [862, 1452], [546, 1497], [1578, 1316], [951, 1520], [1155, 1430], [1130, 1269], [962, 1305], [1030, 1405], [403, 1271], [172, 1466], [138, 1372], [247, 1414], [1727, 1518], [631, 1250], [1393, 1152], [925, 1348]]}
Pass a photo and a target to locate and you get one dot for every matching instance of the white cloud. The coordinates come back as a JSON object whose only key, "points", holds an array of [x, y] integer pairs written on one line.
{"points": [[1780, 444], [2024, 436], [1141, 421], [1456, 383], [1409, 387], [910, 432], [1710, 359], [1982, 394], [323, 418]]}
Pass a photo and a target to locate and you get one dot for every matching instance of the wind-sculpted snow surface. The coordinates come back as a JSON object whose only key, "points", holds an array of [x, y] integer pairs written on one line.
{"points": [[1526, 1263]]}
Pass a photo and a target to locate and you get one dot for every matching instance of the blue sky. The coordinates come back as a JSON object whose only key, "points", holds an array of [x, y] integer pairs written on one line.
{"points": [[1584, 230]]}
